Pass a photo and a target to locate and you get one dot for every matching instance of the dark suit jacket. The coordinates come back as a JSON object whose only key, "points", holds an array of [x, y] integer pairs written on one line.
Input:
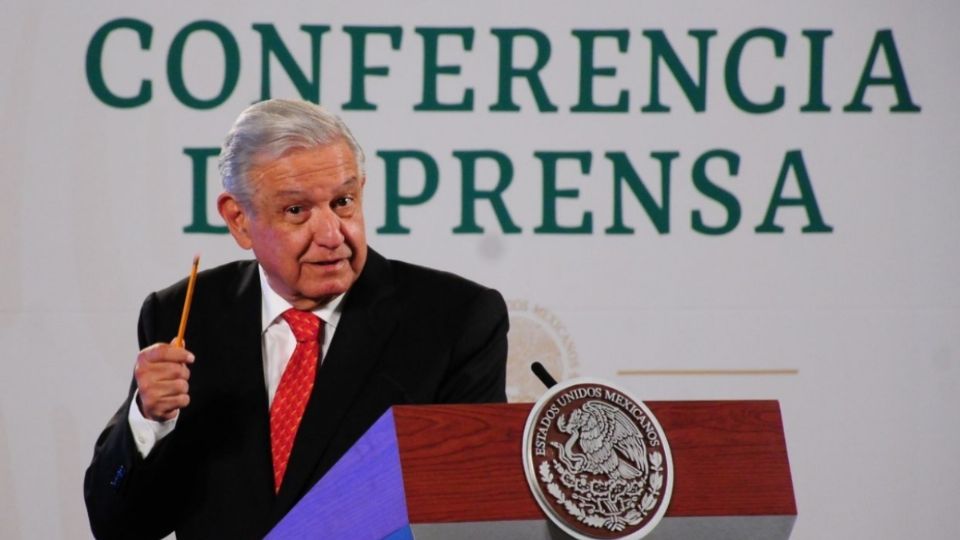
{"points": [[407, 335]]}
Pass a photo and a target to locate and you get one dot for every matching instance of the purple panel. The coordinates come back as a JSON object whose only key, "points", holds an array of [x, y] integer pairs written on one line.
{"points": [[360, 497]]}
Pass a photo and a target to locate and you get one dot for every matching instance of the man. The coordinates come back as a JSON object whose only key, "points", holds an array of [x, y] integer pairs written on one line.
{"points": [[287, 359]]}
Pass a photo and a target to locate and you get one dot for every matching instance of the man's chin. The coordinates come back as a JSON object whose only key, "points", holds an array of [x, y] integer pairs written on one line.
{"points": [[318, 284], [321, 295]]}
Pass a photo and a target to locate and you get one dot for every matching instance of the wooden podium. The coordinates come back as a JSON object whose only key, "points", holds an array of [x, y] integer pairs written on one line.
{"points": [[455, 471]]}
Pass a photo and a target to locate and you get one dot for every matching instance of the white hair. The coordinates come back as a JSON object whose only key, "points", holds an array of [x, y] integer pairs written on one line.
{"points": [[269, 129]]}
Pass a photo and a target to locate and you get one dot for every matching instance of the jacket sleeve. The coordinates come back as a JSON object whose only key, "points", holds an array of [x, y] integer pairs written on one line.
{"points": [[126, 495]]}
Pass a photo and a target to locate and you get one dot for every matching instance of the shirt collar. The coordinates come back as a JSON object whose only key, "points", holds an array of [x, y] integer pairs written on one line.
{"points": [[273, 305]]}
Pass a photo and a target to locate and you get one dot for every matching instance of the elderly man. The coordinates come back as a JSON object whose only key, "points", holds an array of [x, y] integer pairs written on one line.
{"points": [[289, 358]]}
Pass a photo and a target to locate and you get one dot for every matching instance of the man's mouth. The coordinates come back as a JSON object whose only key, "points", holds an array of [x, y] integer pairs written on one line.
{"points": [[325, 264]]}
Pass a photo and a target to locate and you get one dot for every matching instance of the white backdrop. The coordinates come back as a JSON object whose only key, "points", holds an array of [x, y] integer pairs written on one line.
{"points": [[859, 324]]}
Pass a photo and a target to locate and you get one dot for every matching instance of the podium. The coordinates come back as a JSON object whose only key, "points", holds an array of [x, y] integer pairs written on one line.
{"points": [[455, 471]]}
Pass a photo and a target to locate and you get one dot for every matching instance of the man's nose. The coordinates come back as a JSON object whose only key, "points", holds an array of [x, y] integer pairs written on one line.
{"points": [[326, 229]]}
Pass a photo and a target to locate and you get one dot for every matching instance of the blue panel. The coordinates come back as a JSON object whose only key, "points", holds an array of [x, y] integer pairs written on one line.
{"points": [[360, 497], [400, 534]]}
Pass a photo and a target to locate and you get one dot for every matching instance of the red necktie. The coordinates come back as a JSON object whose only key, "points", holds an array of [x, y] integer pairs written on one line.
{"points": [[294, 389]]}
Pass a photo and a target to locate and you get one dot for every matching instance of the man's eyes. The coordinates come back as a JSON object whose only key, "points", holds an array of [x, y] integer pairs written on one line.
{"points": [[302, 211], [342, 201]]}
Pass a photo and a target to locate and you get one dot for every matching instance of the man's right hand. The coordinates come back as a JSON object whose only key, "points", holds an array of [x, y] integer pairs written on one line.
{"points": [[162, 374]]}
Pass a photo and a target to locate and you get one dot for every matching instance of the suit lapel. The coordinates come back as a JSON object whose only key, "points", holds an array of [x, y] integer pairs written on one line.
{"points": [[244, 376], [242, 326], [241, 329], [366, 324]]}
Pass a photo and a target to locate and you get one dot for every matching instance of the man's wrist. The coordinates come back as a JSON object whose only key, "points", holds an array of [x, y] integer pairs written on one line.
{"points": [[146, 432]]}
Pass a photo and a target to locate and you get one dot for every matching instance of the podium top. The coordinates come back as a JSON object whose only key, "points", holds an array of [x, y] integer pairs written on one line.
{"points": [[463, 462]]}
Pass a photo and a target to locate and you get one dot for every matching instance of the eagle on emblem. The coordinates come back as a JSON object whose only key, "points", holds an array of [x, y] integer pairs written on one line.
{"points": [[608, 439]]}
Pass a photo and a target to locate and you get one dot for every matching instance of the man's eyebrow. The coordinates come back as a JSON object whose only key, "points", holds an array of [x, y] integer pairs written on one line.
{"points": [[348, 184]]}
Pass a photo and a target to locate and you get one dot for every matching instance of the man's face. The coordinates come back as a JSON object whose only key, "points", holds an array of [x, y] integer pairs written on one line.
{"points": [[306, 225]]}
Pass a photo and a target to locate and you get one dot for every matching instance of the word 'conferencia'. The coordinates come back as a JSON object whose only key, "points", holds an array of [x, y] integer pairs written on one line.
{"points": [[529, 77]]}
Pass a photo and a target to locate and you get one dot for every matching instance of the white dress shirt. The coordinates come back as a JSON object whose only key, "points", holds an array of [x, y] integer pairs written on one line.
{"points": [[277, 342]]}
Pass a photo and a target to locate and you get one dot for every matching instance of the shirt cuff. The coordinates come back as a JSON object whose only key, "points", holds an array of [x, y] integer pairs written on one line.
{"points": [[146, 433]]}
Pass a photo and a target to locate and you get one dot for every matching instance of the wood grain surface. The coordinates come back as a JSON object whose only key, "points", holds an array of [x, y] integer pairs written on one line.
{"points": [[463, 462]]}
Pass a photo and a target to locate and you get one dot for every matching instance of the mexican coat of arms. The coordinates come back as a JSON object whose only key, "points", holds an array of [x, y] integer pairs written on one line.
{"points": [[597, 461]]}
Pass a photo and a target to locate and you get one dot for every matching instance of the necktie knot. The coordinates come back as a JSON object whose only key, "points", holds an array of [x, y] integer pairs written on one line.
{"points": [[305, 325]]}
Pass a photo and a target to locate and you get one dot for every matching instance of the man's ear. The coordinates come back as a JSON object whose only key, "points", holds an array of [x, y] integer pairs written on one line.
{"points": [[237, 219]]}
